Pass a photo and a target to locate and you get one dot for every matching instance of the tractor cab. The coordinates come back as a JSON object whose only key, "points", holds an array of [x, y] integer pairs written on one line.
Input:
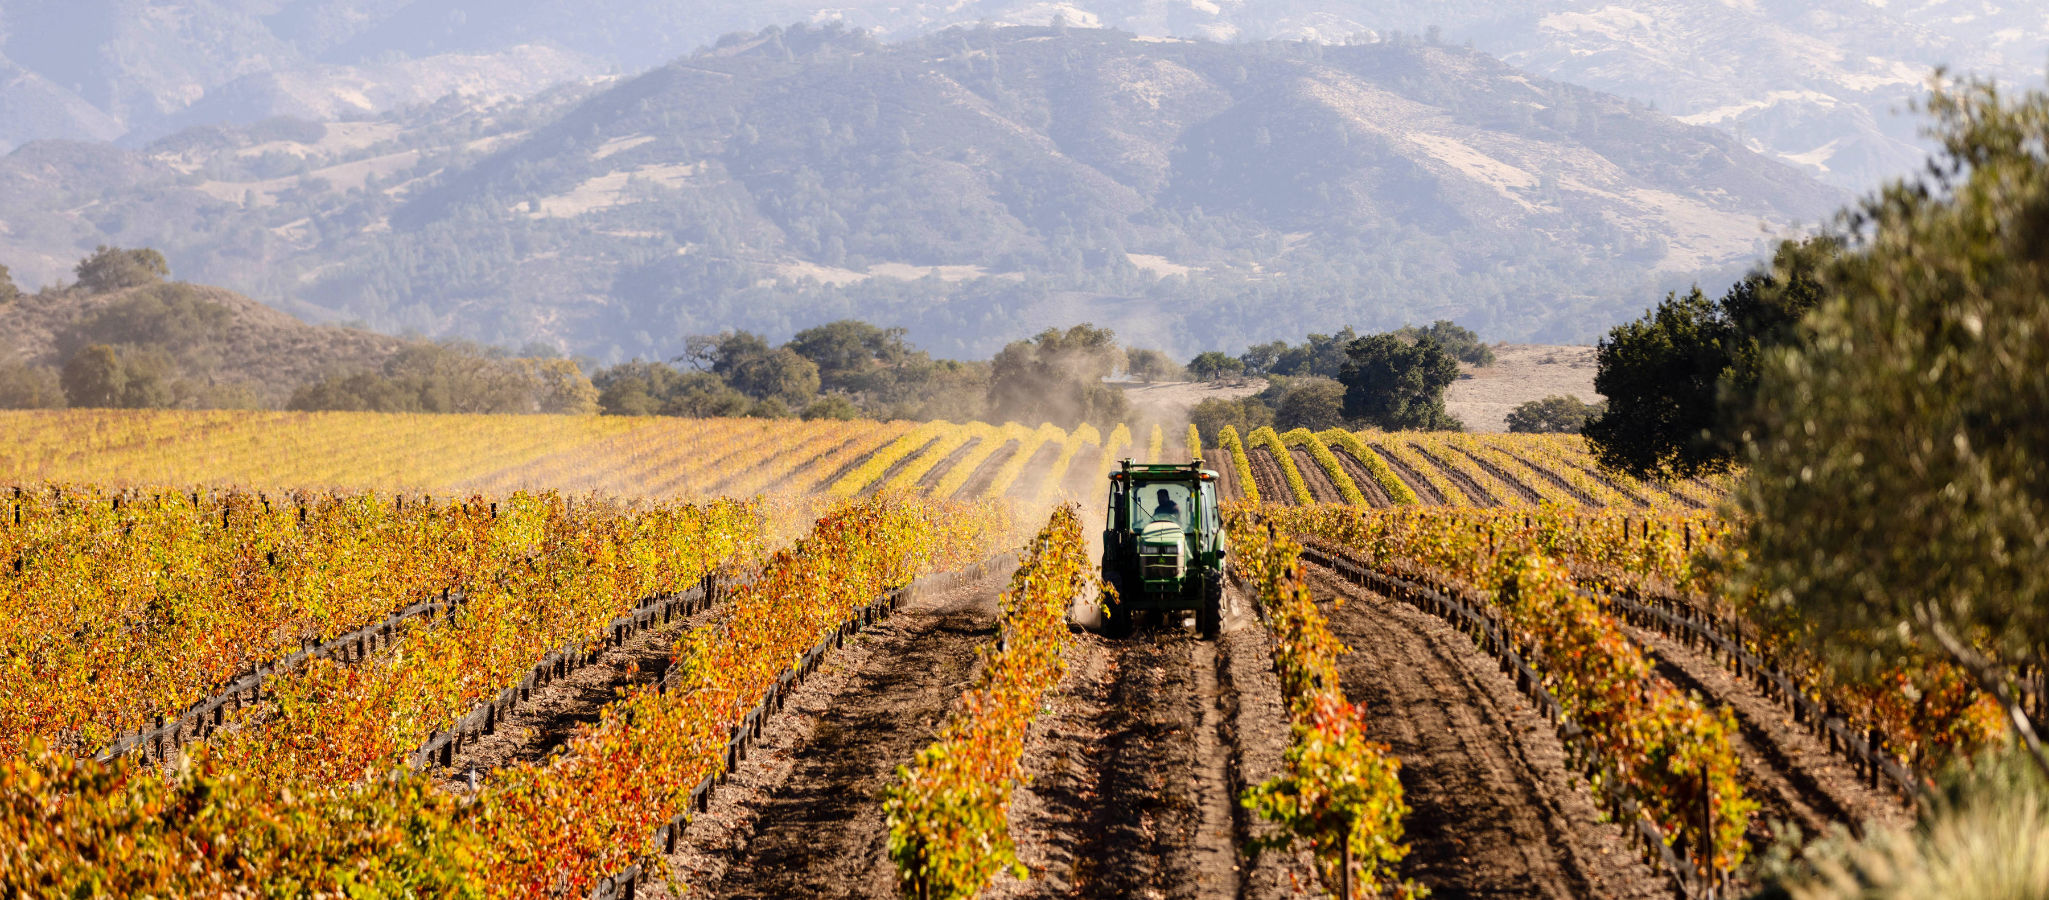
{"points": [[1163, 546]]}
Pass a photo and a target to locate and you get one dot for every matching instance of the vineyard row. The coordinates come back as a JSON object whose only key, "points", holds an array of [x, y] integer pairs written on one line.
{"points": [[1473, 618]]}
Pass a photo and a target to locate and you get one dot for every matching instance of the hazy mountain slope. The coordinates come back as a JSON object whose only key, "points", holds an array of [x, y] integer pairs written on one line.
{"points": [[972, 186], [31, 108], [1816, 81]]}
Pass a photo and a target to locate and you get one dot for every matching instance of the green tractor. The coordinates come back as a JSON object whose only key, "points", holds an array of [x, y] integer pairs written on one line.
{"points": [[1163, 545]]}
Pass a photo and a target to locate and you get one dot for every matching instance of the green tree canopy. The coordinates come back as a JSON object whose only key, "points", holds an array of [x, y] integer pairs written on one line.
{"points": [[1555, 414], [8, 292], [1246, 415], [1058, 377], [456, 378], [1313, 403], [1393, 384], [1680, 381], [1457, 339], [849, 353], [1259, 359], [1150, 365], [94, 378], [23, 386], [781, 374], [1211, 365], [113, 269], [1899, 488]]}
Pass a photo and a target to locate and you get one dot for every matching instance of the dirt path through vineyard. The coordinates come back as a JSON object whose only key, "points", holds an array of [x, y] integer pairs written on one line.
{"points": [[552, 714], [1376, 495], [802, 815], [1136, 765], [1315, 478], [1495, 812], [1267, 475]]}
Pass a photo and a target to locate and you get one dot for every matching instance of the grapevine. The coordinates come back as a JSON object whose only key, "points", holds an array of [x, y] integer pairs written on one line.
{"points": [[1329, 463], [1398, 490], [1264, 436], [1338, 788], [948, 811]]}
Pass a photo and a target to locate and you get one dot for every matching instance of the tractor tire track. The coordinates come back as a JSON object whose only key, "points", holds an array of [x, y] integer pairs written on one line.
{"points": [[1495, 811], [802, 814], [1135, 767]]}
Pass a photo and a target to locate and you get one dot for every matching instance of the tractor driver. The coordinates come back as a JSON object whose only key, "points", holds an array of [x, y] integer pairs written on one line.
{"points": [[1167, 508]]}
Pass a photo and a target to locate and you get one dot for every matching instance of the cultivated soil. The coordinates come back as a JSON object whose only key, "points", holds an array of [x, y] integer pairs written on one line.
{"points": [[1477, 495], [1032, 478], [802, 814], [894, 468], [551, 716], [1541, 472], [1495, 810], [1315, 478], [938, 473], [1425, 491], [1267, 474], [1135, 764], [984, 477], [1376, 496]]}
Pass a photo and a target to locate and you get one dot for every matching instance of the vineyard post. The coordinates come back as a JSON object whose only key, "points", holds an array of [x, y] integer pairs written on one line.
{"points": [[1346, 885], [1707, 830]]}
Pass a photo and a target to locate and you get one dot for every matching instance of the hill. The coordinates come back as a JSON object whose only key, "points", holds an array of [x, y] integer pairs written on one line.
{"points": [[231, 349], [974, 186], [1818, 83]]}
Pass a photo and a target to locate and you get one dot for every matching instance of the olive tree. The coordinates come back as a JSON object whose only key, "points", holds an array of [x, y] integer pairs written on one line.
{"points": [[1899, 488]]}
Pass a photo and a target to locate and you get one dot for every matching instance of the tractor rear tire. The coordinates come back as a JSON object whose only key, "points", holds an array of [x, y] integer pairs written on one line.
{"points": [[1117, 616], [1209, 615]]}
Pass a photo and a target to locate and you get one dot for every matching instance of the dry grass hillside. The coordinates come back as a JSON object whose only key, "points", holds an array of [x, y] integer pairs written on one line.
{"points": [[1520, 373]]}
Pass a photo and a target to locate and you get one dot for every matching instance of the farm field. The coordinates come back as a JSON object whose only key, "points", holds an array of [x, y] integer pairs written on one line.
{"points": [[656, 458], [587, 657]]}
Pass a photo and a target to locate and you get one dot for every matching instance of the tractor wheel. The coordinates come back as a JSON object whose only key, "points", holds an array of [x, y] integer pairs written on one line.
{"points": [[1209, 616], [1116, 616]]}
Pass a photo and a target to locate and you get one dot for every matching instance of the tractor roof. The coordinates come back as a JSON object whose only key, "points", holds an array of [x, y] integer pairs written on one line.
{"points": [[1158, 472]]}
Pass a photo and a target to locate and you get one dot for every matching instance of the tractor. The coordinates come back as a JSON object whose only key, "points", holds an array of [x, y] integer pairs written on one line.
{"points": [[1163, 545]]}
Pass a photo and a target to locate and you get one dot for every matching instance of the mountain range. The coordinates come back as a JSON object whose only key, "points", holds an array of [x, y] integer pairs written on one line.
{"points": [[1819, 83], [973, 186]]}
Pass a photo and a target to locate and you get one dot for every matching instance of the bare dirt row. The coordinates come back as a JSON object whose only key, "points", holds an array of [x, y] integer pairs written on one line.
{"points": [[1425, 491], [1135, 766], [1495, 811], [1266, 473], [802, 815], [1376, 496], [1314, 477], [1479, 496]]}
